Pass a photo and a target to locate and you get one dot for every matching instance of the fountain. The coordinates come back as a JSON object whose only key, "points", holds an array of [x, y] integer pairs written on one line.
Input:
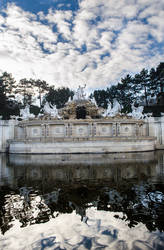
{"points": [[82, 127]]}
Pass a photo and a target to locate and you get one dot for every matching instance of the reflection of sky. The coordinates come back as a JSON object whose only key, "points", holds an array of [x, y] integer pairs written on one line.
{"points": [[81, 229], [67, 231]]}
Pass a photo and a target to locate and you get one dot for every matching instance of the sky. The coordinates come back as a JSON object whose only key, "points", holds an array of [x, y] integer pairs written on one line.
{"points": [[76, 42]]}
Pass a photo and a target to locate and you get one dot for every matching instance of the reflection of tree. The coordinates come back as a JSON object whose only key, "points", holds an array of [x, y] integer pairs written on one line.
{"points": [[138, 203], [27, 207], [141, 203]]}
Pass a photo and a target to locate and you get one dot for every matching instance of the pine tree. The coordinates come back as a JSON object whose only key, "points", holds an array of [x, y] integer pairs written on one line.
{"points": [[25, 90]]}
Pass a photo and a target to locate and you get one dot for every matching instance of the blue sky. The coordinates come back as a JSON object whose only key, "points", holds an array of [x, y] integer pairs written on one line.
{"points": [[72, 42]]}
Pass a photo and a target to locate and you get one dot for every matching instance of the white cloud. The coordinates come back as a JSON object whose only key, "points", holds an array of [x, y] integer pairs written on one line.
{"points": [[61, 19], [157, 24], [115, 37]]}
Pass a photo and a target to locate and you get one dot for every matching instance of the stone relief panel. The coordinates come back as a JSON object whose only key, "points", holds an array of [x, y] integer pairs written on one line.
{"points": [[57, 130], [104, 129], [127, 129], [80, 130], [34, 131]]}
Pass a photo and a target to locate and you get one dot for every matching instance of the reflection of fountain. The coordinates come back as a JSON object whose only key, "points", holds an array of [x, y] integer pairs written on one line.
{"points": [[77, 169], [112, 201]]}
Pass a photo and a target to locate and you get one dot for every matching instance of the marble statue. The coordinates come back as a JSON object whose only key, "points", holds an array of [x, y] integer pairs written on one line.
{"points": [[80, 95], [111, 112], [51, 110], [93, 100], [137, 112], [25, 113]]}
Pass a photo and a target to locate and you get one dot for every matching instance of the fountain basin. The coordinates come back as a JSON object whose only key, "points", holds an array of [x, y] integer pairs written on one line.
{"points": [[81, 145]]}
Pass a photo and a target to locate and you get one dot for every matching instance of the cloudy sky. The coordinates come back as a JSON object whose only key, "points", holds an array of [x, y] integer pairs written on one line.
{"points": [[72, 42]]}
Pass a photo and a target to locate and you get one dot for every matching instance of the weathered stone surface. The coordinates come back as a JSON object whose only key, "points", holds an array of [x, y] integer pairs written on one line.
{"points": [[83, 146], [70, 110], [93, 134]]}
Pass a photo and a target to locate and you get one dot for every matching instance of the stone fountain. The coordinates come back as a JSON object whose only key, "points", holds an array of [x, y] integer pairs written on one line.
{"points": [[82, 127]]}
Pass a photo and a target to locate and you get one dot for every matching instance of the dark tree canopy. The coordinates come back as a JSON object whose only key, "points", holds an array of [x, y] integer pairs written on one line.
{"points": [[59, 96], [140, 89], [145, 88]]}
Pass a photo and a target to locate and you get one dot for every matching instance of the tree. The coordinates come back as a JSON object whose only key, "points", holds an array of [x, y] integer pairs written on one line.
{"points": [[160, 76], [25, 90], [8, 104], [101, 98], [112, 93], [58, 96], [125, 95], [2, 99], [42, 88], [153, 86], [141, 86], [9, 84]]}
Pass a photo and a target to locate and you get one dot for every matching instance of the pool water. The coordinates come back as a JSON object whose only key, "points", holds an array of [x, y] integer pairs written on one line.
{"points": [[91, 201]]}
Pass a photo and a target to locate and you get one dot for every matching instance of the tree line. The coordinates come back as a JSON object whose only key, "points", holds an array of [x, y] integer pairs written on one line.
{"points": [[35, 93], [139, 89]]}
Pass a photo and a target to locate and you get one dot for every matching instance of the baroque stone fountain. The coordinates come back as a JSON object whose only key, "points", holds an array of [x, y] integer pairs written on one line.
{"points": [[81, 127]]}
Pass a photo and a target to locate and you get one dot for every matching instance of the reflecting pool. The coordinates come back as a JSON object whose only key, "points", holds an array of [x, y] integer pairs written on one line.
{"points": [[91, 201]]}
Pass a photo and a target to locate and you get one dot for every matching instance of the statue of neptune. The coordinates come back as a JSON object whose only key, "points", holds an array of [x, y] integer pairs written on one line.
{"points": [[80, 95]]}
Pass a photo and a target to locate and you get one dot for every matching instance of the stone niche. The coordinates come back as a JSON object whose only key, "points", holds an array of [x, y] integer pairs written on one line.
{"points": [[80, 109]]}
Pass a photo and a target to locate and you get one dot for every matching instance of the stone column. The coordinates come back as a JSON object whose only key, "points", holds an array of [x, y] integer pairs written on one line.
{"points": [[42, 130], [70, 130], [118, 129], [93, 129], [137, 130], [47, 130], [114, 126], [66, 132], [90, 129]]}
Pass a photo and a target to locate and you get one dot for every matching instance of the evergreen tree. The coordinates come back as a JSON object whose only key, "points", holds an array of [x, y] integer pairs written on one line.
{"points": [[58, 96], [8, 83], [8, 104], [42, 87], [25, 89], [125, 94], [101, 97], [153, 86], [160, 76], [141, 86]]}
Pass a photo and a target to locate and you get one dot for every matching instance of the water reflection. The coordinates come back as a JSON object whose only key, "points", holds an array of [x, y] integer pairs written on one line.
{"points": [[98, 197]]}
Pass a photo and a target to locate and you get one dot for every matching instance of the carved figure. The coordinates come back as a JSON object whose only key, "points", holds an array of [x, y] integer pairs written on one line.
{"points": [[80, 95]]}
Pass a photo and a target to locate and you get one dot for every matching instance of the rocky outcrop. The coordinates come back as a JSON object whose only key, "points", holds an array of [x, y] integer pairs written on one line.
{"points": [[89, 110]]}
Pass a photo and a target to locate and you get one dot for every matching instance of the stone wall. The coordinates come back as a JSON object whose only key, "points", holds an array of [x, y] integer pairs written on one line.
{"points": [[81, 145], [155, 126], [80, 128], [7, 128]]}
